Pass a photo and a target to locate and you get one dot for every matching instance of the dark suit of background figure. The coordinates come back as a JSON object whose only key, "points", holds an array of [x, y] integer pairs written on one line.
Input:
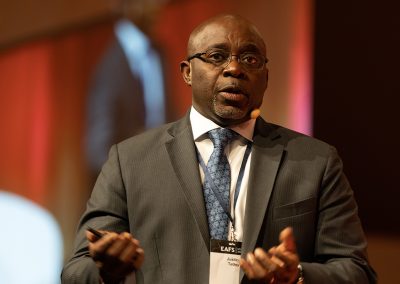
{"points": [[119, 105], [151, 187], [115, 106]]}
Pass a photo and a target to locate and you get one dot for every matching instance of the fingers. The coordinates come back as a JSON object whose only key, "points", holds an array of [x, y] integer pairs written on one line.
{"points": [[122, 246], [92, 237], [275, 258], [286, 251], [263, 266], [279, 263], [246, 268], [286, 237], [115, 254], [265, 260], [99, 247], [258, 265], [285, 259], [139, 258], [253, 269], [132, 251]]}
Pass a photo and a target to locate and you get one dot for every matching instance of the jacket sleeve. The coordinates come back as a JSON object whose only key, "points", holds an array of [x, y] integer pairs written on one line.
{"points": [[106, 210], [340, 244]]}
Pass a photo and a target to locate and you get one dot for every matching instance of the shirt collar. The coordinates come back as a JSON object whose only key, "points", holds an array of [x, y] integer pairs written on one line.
{"points": [[201, 125]]}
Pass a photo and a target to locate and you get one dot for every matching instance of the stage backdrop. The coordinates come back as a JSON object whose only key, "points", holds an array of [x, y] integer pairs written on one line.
{"points": [[45, 67]]}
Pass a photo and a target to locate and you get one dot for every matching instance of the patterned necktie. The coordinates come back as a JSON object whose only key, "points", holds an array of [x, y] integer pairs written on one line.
{"points": [[220, 174]]}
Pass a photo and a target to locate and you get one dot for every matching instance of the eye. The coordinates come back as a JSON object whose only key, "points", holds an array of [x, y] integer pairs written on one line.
{"points": [[251, 59], [217, 56]]}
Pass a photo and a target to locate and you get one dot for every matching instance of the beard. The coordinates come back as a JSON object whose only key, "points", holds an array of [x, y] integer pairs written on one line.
{"points": [[229, 113]]}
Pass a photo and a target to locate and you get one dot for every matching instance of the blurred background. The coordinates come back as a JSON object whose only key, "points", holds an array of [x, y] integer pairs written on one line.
{"points": [[71, 84]]}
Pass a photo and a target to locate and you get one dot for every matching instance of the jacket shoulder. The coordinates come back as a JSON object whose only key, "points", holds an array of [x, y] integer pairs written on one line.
{"points": [[285, 133], [297, 142]]}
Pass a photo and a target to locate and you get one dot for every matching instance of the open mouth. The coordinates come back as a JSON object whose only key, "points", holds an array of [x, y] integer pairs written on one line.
{"points": [[233, 93]]}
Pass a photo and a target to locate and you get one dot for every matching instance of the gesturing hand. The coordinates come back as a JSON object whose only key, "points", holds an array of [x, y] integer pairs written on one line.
{"points": [[116, 255], [278, 265]]}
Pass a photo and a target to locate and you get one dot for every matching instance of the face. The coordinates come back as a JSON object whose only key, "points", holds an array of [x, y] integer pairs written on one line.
{"points": [[226, 95]]}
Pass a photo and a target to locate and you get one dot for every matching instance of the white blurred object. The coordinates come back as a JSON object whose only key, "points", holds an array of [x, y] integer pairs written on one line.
{"points": [[31, 247]]}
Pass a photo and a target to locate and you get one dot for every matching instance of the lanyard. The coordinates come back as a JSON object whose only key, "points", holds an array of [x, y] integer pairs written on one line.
{"points": [[208, 177]]}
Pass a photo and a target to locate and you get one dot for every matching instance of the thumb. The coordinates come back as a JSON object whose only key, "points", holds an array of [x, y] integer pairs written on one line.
{"points": [[286, 238]]}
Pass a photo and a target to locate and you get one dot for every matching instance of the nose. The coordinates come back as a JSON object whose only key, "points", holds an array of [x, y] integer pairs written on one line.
{"points": [[233, 67]]}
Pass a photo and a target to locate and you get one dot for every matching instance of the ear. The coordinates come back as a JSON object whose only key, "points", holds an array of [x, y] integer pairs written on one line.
{"points": [[186, 72]]}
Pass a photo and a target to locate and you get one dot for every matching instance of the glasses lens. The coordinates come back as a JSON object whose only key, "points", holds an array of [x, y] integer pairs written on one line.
{"points": [[217, 57], [252, 60], [222, 58]]}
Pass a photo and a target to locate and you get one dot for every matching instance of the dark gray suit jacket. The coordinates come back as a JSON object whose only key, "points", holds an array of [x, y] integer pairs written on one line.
{"points": [[151, 187], [115, 107]]}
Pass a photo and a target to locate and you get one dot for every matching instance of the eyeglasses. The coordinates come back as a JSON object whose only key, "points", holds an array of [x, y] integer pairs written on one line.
{"points": [[222, 58]]}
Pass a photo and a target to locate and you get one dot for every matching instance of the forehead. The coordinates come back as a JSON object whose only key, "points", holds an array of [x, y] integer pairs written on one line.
{"points": [[229, 34]]}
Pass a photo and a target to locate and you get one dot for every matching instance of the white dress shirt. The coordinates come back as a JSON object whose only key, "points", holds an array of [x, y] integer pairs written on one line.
{"points": [[235, 152]]}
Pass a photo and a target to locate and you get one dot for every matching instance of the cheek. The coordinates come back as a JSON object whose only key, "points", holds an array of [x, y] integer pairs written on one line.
{"points": [[262, 83], [202, 90], [203, 85]]}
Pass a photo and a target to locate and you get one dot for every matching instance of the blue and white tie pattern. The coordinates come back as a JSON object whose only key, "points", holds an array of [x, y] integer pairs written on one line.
{"points": [[220, 173]]}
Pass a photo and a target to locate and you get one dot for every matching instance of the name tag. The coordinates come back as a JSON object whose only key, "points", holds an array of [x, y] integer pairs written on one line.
{"points": [[224, 261]]}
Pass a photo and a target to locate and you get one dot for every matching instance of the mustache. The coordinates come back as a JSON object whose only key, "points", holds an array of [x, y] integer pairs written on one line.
{"points": [[233, 88]]}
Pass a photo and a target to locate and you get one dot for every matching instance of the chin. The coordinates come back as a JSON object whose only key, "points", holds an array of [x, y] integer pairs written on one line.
{"points": [[231, 115]]}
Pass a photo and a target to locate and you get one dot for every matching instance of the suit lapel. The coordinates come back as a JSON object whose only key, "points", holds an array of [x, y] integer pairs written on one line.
{"points": [[265, 160], [182, 154]]}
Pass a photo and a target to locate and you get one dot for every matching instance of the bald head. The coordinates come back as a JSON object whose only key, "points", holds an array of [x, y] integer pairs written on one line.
{"points": [[204, 32]]}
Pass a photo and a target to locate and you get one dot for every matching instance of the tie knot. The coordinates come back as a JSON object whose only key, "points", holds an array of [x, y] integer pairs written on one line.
{"points": [[221, 136]]}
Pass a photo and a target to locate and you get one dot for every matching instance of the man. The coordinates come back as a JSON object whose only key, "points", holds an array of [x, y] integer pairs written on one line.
{"points": [[290, 203], [128, 83]]}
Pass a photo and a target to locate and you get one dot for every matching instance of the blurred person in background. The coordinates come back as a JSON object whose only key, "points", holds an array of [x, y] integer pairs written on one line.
{"points": [[127, 93]]}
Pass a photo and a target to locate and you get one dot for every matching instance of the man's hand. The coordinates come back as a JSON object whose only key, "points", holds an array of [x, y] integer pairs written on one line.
{"points": [[278, 265], [116, 255]]}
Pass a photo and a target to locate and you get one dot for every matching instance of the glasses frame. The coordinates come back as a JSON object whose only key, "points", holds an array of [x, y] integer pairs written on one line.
{"points": [[228, 61]]}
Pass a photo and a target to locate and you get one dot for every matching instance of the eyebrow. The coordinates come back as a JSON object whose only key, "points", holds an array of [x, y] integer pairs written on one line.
{"points": [[249, 47]]}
